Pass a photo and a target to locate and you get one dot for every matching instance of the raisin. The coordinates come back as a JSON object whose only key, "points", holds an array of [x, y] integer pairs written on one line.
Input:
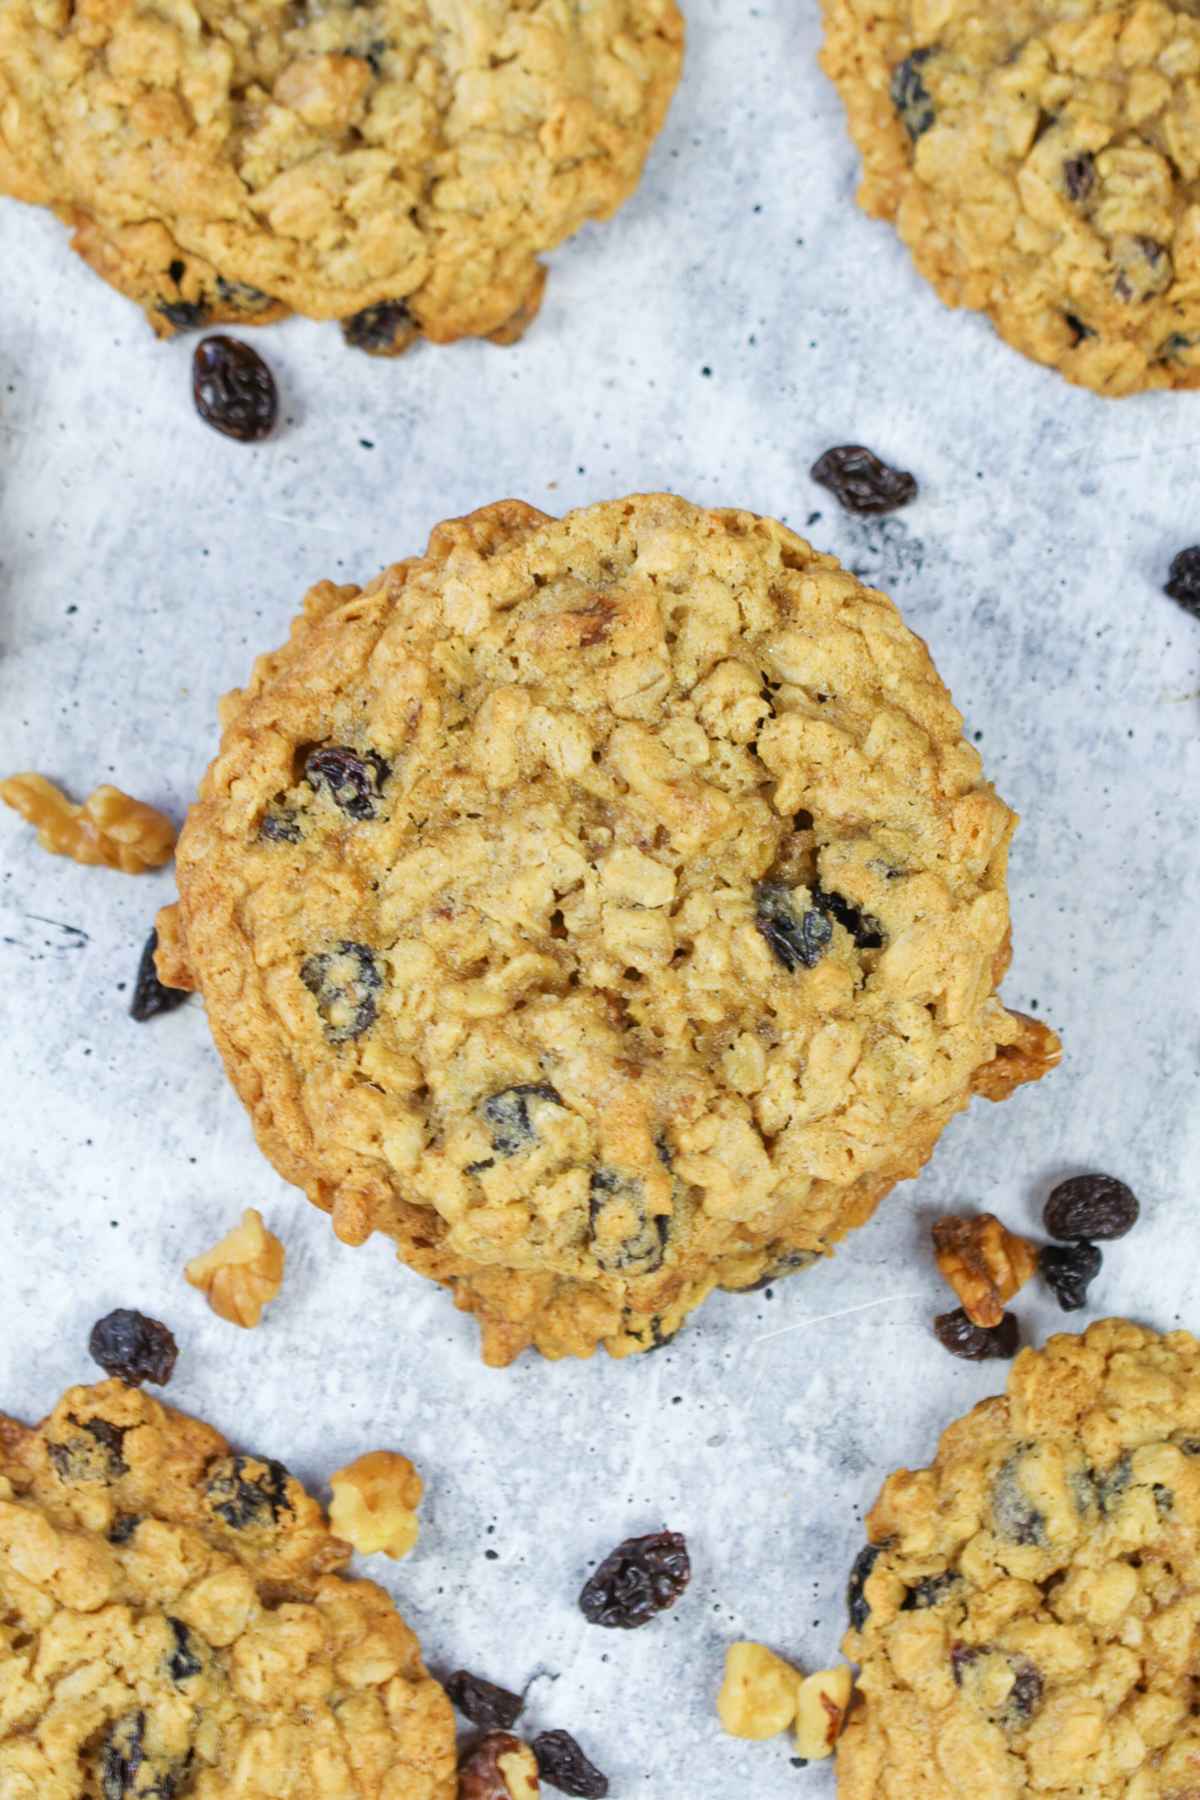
{"points": [[1024, 1696], [241, 296], [150, 995], [790, 1263], [1091, 1206], [184, 315], [485, 1704], [856, 1600], [1078, 329], [506, 1115], [233, 389], [354, 783], [183, 1663], [962, 1337], [866, 931], [95, 1453], [930, 1592], [128, 1344], [246, 1492], [860, 482], [910, 96], [640, 1244], [122, 1756], [1190, 1446], [563, 1764], [123, 1528], [641, 1577], [380, 330], [1013, 1512], [1183, 580], [374, 54], [1112, 1484], [798, 940], [1164, 1499], [177, 270], [1079, 176], [1069, 1269], [961, 1658], [344, 982], [280, 826]]}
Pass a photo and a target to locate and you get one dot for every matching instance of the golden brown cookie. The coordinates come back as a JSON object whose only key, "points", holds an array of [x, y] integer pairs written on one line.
{"points": [[1041, 160], [1027, 1617], [172, 1623], [395, 164], [607, 908]]}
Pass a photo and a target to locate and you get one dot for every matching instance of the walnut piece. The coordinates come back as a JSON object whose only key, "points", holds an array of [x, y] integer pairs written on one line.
{"points": [[1034, 1051], [984, 1263], [758, 1695], [374, 1505], [500, 1767], [109, 828], [242, 1273], [821, 1711]]}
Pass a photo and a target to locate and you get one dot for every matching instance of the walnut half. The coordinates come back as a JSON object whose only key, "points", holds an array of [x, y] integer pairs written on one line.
{"points": [[500, 1767], [109, 828], [758, 1695], [374, 1505], [984, 1263], [242, 1273]]}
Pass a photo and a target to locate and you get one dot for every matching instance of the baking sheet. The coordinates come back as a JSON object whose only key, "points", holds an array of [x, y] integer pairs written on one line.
{"points": [[737, 318]]}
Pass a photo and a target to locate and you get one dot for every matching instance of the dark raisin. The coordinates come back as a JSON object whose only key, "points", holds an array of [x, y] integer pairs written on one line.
{"points": [[1183, 580], [123, 1528], [975, 1343], [374, 54], [856, 1599], [930, 1592], [150, 995], [506, 1115], [1014, 1514], [233, 389], [280, 826], [563, 1764], [1078, 329], [641, 1577], [1079, 176], [866, 930], [1024, 1696], [1112, 1484], [638, 1244], [184, 315], [241, 296], [183, 1663], [1069, 1270], [1164, 1499], [861, 482], [380, 330], [122, 1756], [1175, 345], [485, 1704], [910, 96], [799, 940], [355, 783], [247, 1492], [666, 1155], [344, 982], [93, 1453], [128, 1344], [1091, 1206], [177, 270], [961, 1658], [648, 1338], [790, 1263], [1190, 1446]]}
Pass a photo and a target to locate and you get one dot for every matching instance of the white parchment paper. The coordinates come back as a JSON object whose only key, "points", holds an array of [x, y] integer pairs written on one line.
{"points": [[737, 318]]}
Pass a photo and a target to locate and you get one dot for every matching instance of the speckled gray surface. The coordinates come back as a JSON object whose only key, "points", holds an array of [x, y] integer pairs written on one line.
{"points": [[738, 317]]}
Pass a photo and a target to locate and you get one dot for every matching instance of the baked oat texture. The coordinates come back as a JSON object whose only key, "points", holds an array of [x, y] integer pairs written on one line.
{"points": [[396, 164], [1034, 1621], [503, 886], [1041, 160], [172, 1625]]}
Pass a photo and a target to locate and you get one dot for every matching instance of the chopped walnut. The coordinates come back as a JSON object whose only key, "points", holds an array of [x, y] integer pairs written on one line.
{"points": [[500, 1767], [109, 828], [1034, 1051], [821, 1711], [242, 1273], [984, 1263], [374, 1505], [758, 1695]]}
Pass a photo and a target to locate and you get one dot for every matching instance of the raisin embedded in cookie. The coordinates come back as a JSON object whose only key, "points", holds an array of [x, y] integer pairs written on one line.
{"points": [[606, 908], [1027, 1624], [397, 166], [1041, 160], [172, 1623]]}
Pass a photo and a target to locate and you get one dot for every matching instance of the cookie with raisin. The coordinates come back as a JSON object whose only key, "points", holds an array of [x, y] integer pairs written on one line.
{"points": [[605, 908]]}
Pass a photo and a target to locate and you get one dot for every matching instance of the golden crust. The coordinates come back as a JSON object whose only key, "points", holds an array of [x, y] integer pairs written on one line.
{"points": [[1048, 173], [518, 1007], [1031, 1625], [169, 1610], [243, 161]]}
